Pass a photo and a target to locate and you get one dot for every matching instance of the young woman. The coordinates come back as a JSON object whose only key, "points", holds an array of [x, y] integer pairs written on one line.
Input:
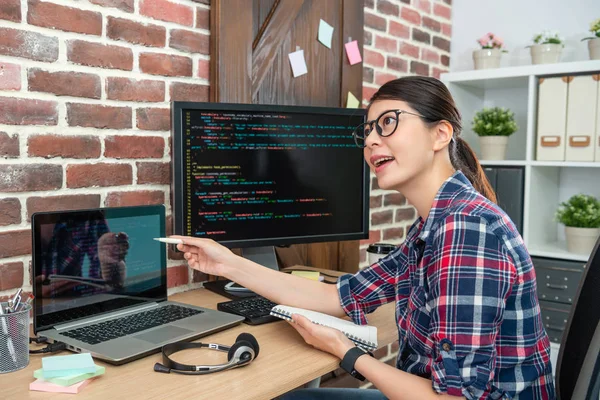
{"points": [[463, 282]]}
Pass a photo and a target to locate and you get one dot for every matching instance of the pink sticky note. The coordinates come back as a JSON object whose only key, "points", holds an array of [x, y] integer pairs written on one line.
{"points": [[43, 386], [353, 52]]}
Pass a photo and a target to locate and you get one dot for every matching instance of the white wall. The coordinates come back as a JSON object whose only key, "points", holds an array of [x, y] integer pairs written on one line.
{"points": [[517, 21]]}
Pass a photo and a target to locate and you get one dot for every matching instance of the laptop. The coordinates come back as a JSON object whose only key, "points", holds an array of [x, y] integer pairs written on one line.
{"points": [[100, 284]]}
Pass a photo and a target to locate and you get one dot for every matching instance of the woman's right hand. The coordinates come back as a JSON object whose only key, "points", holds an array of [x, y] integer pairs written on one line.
{"points": [[206, 255]]}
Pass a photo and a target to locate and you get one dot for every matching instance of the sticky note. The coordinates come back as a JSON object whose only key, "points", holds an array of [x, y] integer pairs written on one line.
{"points": [[71, 379], [325, 33], [41, 386], [298, 63], [352, 101], [68, 365], [314, 275], [352, 52]]}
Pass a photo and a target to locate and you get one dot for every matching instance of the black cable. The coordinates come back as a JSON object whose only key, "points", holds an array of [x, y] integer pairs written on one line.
{"points": [[38, 340], [51, 348]]}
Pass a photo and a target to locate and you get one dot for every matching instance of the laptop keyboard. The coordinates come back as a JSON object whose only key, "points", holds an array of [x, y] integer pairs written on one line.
{"points": [[116, 328]]}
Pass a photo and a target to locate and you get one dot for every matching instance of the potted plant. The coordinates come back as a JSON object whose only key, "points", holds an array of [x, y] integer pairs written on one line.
{"points": [[581, 217], [547, 47], [594, 41], [494, 126], [488, 56]]}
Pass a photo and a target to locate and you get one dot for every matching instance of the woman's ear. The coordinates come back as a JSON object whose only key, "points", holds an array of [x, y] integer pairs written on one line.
{"points": [[443, 133]]}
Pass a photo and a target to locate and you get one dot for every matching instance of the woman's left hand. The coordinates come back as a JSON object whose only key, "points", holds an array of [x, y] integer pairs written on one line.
{"points": [[321, 337]]}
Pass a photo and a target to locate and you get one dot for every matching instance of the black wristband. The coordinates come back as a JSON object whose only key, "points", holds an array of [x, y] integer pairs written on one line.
{"points": [[347, 363]]}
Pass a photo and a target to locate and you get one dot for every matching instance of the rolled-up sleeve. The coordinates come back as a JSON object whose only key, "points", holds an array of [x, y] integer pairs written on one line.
{"points": [[471, 276], [374, 286]]}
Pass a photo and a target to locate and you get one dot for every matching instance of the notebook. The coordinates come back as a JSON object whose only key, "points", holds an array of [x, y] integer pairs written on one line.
{"points": [[363, 336]]}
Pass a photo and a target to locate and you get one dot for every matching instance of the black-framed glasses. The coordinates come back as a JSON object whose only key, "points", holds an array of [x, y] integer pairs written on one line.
{"points": [[385, 125]]}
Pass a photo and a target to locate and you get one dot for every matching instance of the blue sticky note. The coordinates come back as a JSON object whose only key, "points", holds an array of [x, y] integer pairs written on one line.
{"points": [[325, 33], [68, 365]]}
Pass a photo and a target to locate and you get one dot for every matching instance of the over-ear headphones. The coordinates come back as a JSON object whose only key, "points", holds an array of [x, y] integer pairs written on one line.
{"points": [[244, 350]]}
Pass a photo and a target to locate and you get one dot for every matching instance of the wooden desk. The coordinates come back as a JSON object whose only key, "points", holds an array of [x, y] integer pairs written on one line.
{"points": [[285, 362]]}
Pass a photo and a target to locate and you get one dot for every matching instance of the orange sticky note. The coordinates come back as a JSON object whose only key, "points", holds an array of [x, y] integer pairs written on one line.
{"points": [[353, 52]]}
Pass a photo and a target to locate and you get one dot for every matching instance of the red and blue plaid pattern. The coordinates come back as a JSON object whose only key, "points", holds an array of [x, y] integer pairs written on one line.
{"points": [[466, 303]]}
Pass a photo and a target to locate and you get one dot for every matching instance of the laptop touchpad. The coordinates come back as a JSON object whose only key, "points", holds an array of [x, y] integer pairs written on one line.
{"points": [[163, 334]]}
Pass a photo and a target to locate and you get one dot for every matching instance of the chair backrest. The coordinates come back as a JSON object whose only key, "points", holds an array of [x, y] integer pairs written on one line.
{"points": [[578, 370]]}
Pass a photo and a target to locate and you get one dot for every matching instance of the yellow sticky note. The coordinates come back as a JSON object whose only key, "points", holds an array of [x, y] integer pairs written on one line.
{"points": [[352, 101], [314, 275]]}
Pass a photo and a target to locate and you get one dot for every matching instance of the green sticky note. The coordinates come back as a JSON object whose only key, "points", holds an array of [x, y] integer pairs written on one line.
{"points": [[314, 275], [352, 101], [68, 365], [71, 379]]}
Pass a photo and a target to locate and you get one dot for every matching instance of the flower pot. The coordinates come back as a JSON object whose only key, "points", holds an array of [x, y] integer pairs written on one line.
{"points": [[493, 147], [545, 53], [487, 58], [581, 240], [594, 48]]}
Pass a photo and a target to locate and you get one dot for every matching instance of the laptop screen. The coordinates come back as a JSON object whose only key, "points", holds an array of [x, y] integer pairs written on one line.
{"points": [[89, 262]]}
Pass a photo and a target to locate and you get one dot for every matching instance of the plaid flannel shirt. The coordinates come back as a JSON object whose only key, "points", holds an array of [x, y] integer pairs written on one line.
{"points": [[466, 303]]}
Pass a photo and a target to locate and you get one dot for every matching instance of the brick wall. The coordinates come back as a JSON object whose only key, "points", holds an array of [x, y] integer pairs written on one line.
{"points": [[85, 88], [402, 37]]}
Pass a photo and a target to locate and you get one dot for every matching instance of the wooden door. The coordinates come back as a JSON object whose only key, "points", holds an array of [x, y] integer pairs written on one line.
{"points": [[250, 43]]}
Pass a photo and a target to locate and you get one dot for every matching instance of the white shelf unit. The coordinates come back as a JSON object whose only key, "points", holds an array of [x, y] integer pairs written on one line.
{"points": [[547, 183]]}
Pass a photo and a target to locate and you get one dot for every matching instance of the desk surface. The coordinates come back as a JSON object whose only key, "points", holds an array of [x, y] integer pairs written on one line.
{"points": [[285, 362]]}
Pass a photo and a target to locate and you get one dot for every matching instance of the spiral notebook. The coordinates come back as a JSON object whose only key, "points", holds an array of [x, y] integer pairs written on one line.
{"points": [[363, 336]]}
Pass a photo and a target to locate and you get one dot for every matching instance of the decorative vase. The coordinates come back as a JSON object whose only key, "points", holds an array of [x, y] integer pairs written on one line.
{"points": [[487, 58], [594, 48], [493, 147], [581, 240], [546, 53]]}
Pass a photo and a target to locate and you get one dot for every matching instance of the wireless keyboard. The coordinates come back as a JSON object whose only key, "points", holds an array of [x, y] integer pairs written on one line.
{"points": [[255, 309]]}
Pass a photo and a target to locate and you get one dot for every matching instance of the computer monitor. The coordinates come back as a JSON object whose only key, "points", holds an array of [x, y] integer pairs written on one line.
{"points": [[257, 176]]}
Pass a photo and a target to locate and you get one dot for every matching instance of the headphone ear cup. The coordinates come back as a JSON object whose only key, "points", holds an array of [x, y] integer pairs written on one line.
{"points": [[238, 344], [250, 339]]}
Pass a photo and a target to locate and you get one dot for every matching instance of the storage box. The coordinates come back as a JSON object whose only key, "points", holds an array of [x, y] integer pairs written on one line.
{"points": [[581, 118], [551, 118]]}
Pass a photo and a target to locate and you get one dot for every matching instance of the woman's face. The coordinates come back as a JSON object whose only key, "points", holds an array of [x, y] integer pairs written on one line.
{"points": [[402, 156]]}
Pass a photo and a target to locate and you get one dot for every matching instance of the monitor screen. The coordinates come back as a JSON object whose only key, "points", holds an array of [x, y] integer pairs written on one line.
{"points": [[262, 175]]}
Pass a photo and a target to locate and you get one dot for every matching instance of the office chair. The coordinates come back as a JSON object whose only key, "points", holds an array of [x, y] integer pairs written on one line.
{"points": [[578, 371]]}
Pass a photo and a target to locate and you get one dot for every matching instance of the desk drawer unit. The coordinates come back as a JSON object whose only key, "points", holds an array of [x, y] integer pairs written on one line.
{"points": [[557, 280], [554, 317]]}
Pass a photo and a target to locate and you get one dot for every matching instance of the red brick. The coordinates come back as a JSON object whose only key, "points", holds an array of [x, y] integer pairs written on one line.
{"points": [[24, 44], [420, 36], [432, 24], [203, 18], [50, 146], [368, 75], [10, 211], [204, 69], [394, 199], [134, 147], [165, 64], [410, 15], [11, 275], [394, 347], [101, 174], [374, 237], [405, 214], [375, 22], [98, 116], [154, 119], [30, 177], [28, 112], [191, 42], [375, 201], [61, 203], [449, 2], [9, 145], [374, 58], [198, 276], [124, 5], [99, 55], [153, 172], [127, 89], [437, 72], [441, 43], [381, 352], [385, 7], [386, 44], [10, 76], [374, 184], [370, 4], [442, 11], [15, 243], [382, 217], [367, 38], [180, 91], [383, 77], [419, 68], [397, 64], [368, 92], [423, 5], [430, 56], [399, 30], [447, 29], [445, 60], [167, 11], [409, 50], [50, 15], [11, 10], [393, 233], [76, 84], [135, 32], [142, 197], [362, 256], [177, 276]]}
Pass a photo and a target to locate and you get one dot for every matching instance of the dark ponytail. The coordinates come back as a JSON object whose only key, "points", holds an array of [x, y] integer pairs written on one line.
{"points": [[431, 98]]}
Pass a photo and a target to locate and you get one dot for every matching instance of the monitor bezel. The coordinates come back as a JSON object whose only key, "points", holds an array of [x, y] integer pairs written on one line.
{"points": [[177, 108]]}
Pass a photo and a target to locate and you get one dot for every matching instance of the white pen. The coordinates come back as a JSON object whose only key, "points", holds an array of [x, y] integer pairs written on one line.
{"points": [[3, 319], [11, 349], [169, 240]]}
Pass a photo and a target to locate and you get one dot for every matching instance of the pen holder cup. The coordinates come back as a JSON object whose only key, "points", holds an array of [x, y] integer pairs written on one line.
{"points": [[14, 339]]}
